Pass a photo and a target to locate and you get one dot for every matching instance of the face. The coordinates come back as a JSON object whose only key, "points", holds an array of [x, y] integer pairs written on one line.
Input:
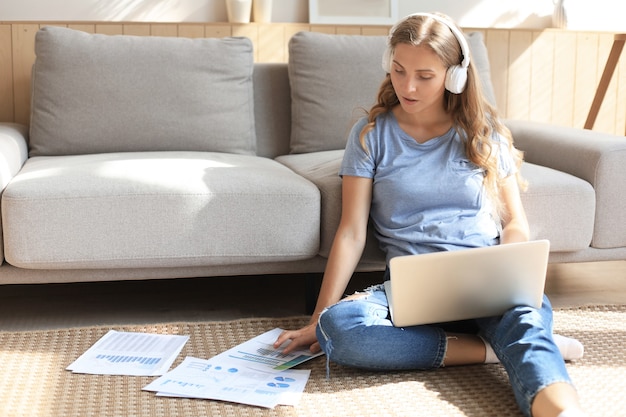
{"points": [[418, 78]]}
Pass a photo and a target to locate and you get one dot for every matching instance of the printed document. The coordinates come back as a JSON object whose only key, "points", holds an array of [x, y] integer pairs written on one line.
{"points": [[225, 379], [261, 352], [253, 373], [129, 353]]}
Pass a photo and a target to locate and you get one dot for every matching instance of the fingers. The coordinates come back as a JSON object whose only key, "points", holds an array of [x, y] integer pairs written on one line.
{"points": [[283, 337], [315, 347], [295, 343], [297, 338]]}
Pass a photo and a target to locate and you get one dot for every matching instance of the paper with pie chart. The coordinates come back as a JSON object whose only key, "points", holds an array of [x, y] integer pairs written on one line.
{"points": [[226, 380], [252, 373]]}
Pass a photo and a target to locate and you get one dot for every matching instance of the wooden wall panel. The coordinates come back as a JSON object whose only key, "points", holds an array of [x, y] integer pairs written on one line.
{"points": [[85, 27], [272, 46], [519, 75], [191, 31], [541, 76], [620, 108], [563, 79], [374, 31], [111, 28], [586, 78], [497, 42], [23, 55], [137, 30], [6, 73], [607, 115], [544, 75], [217, 31]]}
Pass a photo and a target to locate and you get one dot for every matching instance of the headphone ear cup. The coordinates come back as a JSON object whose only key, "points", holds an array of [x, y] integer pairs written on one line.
{"points": [[456, 78], [386, 62]]}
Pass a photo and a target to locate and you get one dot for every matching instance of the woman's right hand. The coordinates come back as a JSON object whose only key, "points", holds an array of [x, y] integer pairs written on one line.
{"points": [[297, 338]]}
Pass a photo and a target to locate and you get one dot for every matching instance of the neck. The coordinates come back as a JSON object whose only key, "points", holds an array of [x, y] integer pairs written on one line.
{"points": [[421, 126]]}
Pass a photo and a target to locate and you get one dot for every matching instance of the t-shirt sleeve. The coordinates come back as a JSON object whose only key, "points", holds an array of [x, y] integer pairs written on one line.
{"points": [[358, 162]]}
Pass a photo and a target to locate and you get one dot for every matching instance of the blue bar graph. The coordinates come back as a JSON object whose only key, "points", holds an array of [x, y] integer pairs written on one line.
{"points": [[129, 359]]}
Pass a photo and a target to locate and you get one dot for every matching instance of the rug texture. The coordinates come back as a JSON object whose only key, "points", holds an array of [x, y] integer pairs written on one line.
{"points": [[34, 382]]}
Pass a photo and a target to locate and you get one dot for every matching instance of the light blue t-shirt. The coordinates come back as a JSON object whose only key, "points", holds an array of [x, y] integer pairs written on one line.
{"points": [[426, 197]]}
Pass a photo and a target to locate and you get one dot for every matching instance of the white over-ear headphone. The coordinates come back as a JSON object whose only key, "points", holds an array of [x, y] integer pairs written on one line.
{"points": [[456, 76]]}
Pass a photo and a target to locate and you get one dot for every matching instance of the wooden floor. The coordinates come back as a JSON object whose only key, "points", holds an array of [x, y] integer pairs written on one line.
{"points": [[31, 307]]}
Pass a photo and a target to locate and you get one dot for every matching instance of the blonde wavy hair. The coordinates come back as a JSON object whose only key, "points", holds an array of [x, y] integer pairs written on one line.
{"points": [[472, 115]]}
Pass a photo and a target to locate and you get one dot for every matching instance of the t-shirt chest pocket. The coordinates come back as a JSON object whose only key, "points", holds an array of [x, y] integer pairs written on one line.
{"points": [[465, 168], [465, 177]]}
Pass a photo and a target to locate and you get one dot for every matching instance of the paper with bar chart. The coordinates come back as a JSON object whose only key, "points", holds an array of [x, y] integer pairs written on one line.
{"points": [[253, 373], [130, 353], [260, 352]]}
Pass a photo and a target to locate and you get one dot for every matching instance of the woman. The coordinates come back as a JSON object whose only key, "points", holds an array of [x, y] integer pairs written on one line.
{"points": [[434, 169]]}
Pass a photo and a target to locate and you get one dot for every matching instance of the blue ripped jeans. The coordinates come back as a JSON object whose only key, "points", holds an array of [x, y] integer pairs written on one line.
{"points": [[359, 333]]}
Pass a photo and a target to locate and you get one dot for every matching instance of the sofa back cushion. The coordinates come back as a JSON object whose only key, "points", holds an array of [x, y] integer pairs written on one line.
{"points": [[101, 93], [334, 77]]}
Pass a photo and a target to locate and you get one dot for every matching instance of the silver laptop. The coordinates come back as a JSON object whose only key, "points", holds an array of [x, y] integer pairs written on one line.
{"points": [[472, 283]]}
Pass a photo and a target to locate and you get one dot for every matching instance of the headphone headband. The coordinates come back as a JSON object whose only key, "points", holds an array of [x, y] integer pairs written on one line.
{"points": [[455, 31]]}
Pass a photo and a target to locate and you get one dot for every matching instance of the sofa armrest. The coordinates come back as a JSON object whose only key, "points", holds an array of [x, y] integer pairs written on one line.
{"points": [[13, 151], [598, 158]]}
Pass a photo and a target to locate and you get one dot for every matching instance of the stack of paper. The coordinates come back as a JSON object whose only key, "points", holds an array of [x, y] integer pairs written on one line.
{"points": [[253, 373]]}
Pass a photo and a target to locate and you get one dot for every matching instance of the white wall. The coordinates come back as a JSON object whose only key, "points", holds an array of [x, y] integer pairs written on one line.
{"points": [[584, 14]]}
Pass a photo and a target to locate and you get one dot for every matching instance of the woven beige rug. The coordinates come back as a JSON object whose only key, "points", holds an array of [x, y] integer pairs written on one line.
{"points": [[33, 381]]}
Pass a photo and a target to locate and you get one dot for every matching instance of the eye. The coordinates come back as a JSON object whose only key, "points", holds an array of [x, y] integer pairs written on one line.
{"points": [[397, 69]]}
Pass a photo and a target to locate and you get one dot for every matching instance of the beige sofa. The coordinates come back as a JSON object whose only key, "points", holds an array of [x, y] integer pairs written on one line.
{"points": [[153, 157]]}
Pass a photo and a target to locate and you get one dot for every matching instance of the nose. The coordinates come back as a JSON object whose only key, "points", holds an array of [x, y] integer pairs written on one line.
{"points": [[409, 85]]}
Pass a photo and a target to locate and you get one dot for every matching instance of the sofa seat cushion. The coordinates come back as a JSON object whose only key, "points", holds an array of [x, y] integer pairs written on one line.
{"points": [[559, 206], [95, 93], [158, 209], [13, 154]]}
